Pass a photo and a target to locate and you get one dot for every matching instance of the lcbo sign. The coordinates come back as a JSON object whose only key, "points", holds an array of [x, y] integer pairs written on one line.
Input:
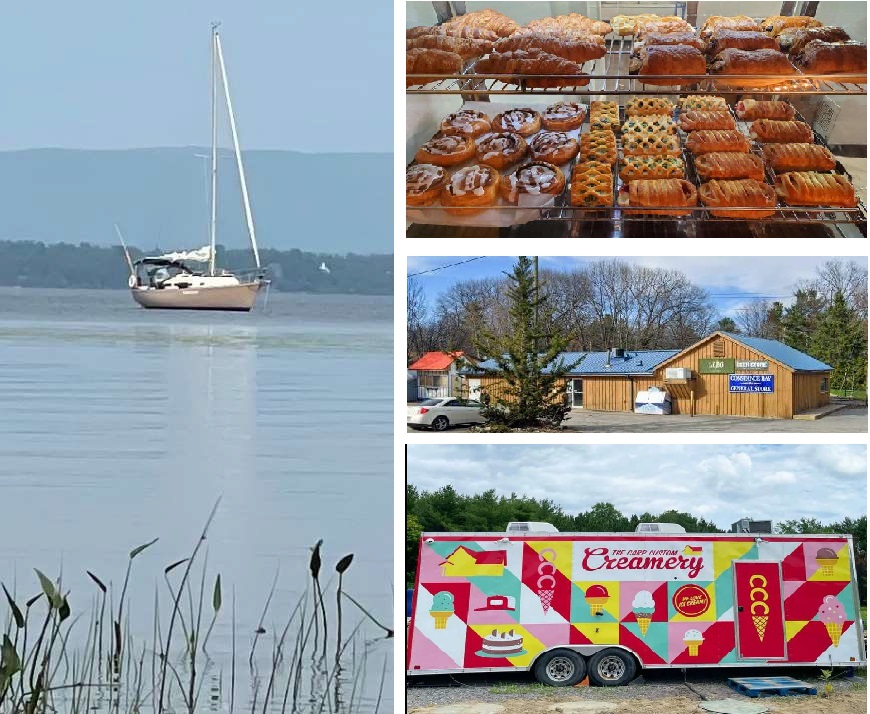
{"points": [[751, 383]]}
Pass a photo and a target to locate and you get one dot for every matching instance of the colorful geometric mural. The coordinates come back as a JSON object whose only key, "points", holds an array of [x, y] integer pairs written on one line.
{"points": [[498, 602]]}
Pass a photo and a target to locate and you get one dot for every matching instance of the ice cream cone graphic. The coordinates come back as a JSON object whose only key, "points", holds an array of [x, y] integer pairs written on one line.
{"points": [[827, 559], [760, 622], [643, 623], [597, 597], [643, 607], [693, 639], [832, 614], [546, 598], [442, 609]]}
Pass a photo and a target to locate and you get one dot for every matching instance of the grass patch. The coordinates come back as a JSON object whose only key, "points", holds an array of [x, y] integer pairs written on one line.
{"points": [[517, 688], [849, 393]]}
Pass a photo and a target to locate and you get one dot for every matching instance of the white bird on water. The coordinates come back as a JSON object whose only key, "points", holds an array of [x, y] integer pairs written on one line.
{"points": [[325, 268]]}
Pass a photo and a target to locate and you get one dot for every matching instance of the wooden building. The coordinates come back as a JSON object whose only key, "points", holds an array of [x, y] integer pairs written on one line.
{"points": [[723, 374]]}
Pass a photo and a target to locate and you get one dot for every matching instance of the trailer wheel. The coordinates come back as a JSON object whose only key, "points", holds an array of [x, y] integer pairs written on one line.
{"points": [[611, 668], [560, 668]]}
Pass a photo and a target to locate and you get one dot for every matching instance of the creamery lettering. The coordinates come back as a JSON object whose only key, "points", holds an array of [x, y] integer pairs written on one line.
{"points": [[601, 559]]}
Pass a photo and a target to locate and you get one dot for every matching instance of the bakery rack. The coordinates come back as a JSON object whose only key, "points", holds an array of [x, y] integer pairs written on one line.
{"points": [[609, 77]]}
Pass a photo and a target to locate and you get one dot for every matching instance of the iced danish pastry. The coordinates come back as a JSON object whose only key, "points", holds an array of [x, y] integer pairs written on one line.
{"points": [[729, 165], [649, 124], [706, 141], [524, 122], [446, 150], [703, 102], [742, 193], [808, 188], [749, 109], [774, 131], [599, 145], [798, 157], [471, 190], [423, 184], [563, 116], [666, 195], [468, 122], [652, 167], [650, 145], [535, 179], [646, 106], [592, 185], [694, 120], [501, 150], [554, 146]]}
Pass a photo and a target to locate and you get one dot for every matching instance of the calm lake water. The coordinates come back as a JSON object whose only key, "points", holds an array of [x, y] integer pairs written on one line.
{"points": [[120, 425]]}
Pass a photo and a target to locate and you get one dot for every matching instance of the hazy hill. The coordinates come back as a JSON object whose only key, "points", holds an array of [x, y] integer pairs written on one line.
{"points": [[325, 203]]}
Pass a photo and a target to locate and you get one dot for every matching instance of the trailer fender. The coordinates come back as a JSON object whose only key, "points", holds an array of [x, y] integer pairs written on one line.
{"points": [[588, 651]]}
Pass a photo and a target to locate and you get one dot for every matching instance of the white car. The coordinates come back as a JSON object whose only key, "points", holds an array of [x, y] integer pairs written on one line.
{"points": [[441, 413]]}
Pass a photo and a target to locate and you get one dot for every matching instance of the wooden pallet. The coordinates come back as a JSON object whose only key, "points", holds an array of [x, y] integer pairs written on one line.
{"points": [[770, 686]]}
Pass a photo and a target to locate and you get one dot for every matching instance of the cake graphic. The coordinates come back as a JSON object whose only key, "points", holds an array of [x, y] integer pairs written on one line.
{"points": [[502, 644], [643, 607], [693, 639], [833, 616], [442, 609], [827, 559], [597, 597]]}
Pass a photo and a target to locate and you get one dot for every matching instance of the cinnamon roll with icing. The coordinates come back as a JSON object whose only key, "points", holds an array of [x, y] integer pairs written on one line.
{"points": [[554, 146], [423, 183], [446, 150], [536, 178], [471, 190], [501, 150], [524, 122], [468, 122]]}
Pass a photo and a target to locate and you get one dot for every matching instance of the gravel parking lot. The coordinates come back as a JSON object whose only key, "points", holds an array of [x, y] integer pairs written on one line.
{"points": [[853, 420], [653, 693]]}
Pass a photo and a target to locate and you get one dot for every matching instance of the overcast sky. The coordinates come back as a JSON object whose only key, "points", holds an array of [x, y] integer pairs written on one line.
{"points": [[732, 282], [310, 76], [721, 483]]}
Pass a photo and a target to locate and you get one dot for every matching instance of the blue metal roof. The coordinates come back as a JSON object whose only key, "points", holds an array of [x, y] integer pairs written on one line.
{"points": [[781, 352], [596, 363]]}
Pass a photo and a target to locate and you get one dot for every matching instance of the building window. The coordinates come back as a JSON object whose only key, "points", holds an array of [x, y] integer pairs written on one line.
{"points": [[824, 385], [432, 379]]}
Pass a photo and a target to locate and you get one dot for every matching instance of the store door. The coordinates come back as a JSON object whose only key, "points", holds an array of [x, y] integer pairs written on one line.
{"points": [[759, 619], [575, 393]]}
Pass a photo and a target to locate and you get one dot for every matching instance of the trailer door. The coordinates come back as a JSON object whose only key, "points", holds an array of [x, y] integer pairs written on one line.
{"points": [[758, 610]]}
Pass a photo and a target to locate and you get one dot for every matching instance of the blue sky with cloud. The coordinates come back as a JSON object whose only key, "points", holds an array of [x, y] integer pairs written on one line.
{"points": [[732, 282], [719, 482]]}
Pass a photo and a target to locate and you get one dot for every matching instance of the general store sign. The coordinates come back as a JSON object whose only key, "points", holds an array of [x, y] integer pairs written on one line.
{"points": [[751, 365], [716, 365], [750, 383]]}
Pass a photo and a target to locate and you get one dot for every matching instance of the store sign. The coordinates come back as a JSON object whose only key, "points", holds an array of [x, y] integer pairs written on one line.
{"points": [[751, 365], [750, 383], [715, 365]]}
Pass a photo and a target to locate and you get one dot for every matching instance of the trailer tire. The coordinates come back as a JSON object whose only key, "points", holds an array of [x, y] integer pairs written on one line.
{"points": [[612, 668], [560, 668]]}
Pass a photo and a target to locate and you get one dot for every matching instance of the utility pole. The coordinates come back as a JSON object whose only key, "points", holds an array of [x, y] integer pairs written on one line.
{"points": [[537, 298]]}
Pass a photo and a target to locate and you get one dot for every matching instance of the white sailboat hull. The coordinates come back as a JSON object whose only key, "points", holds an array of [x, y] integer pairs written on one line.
{"points": [[240, 297]]}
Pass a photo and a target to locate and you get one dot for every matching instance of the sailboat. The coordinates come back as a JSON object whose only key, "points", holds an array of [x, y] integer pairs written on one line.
{"points": [[170, 281]]}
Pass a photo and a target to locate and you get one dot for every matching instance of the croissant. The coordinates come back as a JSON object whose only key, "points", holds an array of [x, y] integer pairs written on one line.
{"points": [[736, 62], [729, 165], [709, 140], [420, 61], [579, 51], [694, 120], [524, 62], [776, 24], [663, 25], [487, 19], [740, 40], [679, 61], [795, 39], [627, 24], [773, 131], [819, 57], [798, 157], [471, 33], [808, 188], [744, 193], [749, 109], [571, 21], [718, 22], [465, 48], [562, 33], [658, 192]]}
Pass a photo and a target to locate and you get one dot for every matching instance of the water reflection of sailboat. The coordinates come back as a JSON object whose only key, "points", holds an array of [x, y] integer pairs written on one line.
{"points": [[170, 281]]}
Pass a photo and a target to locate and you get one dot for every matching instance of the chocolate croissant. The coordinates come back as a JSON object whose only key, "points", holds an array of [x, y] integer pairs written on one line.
{"points": [[729, 165], [798, 157], [420, 61], [465, 48], [808, 188], [776, 24], [525, 62], [749, 109], [470, 33], [795, 39], [579, 51], [819, 57], [774, 131], [644, 193], [679, 61], [743, 193], [693, 120], [741, 40], [707, 141], [732, 62]]}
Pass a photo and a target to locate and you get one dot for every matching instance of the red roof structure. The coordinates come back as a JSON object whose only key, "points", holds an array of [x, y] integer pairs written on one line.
{"points": [[436, 361], [482, 557]]}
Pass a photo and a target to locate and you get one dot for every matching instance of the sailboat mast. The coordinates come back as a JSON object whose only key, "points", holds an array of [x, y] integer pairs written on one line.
{"points": [[248, 217], [211, 259]]}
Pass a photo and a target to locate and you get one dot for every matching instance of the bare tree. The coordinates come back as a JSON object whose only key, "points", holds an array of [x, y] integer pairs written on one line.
{"points": [[762, 318], [839, 276]]}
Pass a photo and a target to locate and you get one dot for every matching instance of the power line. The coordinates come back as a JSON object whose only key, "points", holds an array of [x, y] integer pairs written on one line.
{"points": [[449, 265]]}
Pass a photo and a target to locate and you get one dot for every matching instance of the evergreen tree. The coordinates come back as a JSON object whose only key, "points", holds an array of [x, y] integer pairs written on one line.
{"points": [[528, 357], [841, 341], [726, 324], [802, 318]]}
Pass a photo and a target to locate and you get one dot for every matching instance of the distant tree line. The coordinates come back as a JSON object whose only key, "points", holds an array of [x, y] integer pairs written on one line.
{"points": [[63, 265], [446, 511]]}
